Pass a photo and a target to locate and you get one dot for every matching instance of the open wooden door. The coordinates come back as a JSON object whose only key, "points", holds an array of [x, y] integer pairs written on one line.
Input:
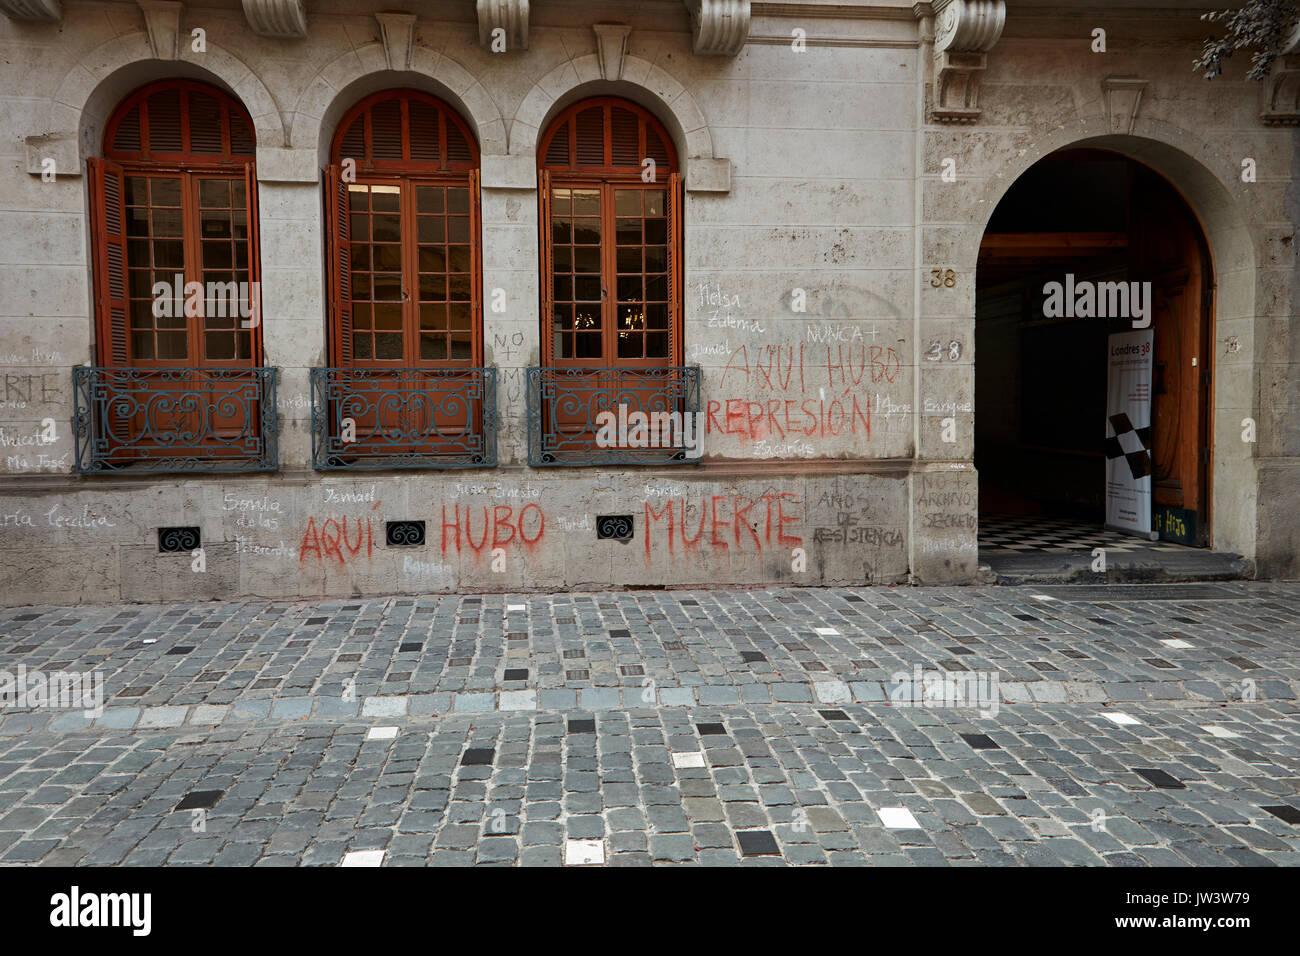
{"points": [[1168, 250]]}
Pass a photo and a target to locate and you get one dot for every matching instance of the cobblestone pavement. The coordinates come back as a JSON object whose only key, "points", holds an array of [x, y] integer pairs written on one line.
{"points": [[1144, 725]]}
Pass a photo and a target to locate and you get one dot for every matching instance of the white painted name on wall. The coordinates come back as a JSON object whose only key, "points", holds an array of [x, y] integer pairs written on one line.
{"points": [[53, 519], [282, 550], [703, 351], [10, 440], [933, 406], [425, 568], [765, 448], [335, 495], [574, 524], [34, 357], [717, 303], [19, 463], [732, 322], [666, 491], [496, 491], [884, 405], [264, 503]]}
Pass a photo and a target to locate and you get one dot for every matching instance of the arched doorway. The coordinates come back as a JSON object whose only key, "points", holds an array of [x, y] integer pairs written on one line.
{"points": [[1084, 250]]}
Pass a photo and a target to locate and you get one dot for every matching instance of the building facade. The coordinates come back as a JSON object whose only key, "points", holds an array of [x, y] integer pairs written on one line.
{"points": [[308, 299]]}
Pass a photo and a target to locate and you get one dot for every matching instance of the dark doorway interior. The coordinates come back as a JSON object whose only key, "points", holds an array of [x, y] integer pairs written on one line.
{"points": [[1040, 383]]}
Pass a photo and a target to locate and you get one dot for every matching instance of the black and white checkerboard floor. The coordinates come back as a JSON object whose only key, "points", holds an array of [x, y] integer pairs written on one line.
{"points": [[1025, 534]]}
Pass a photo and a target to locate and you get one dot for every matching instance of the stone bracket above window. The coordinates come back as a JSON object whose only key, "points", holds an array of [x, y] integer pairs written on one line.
{"points": [[719, 27], [46, 11], [611, 48], [398, 33], [162, 20], [964, 32], [1123, 96], [510, 16], [281, 19]]}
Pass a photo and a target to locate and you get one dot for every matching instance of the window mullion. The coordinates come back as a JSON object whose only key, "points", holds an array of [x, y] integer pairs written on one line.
{"points": [[193, 265], [608, 279], [410, 274]]}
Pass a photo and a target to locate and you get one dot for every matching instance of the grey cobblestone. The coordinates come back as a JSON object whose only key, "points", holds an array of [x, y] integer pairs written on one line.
{"points": [[302, 787]]}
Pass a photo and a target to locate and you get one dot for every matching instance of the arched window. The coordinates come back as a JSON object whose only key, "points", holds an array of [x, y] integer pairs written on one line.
{"points": [[404, 224], [173, 204], [611, 238], [406, 387]]}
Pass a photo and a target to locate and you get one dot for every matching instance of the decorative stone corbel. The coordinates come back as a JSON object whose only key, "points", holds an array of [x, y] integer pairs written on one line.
{"points": [[398, 32], [964, 32], [1123, 96], [282, 19], [47, 11], [162, 21], [508, 16], [611, 47], [719, 27]]}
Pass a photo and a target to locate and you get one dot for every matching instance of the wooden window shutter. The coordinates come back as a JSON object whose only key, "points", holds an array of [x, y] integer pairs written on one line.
{"points": [[254, 262], [108, 235], [676, 252], [336, 212], [547, 257]]}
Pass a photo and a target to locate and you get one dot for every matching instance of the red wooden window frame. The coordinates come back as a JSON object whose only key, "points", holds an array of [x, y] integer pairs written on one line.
{"points": [[404, 139], [193, 134], [579, 153]]}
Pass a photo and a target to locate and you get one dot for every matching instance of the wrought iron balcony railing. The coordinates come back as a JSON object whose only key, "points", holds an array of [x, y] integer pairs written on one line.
{"points": [[614, 416], [149, 420], [369, 418]]}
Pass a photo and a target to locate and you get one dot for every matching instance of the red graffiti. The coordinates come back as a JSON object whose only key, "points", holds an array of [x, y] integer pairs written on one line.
{"points": [[779, 368], [781, 418], [725, 512], [773, 367], [884, 363], [338, 544], [499, 525]]}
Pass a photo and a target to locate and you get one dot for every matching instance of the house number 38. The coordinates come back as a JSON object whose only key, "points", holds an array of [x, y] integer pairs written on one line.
{"points": [[937, 351], [942, 277]]}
